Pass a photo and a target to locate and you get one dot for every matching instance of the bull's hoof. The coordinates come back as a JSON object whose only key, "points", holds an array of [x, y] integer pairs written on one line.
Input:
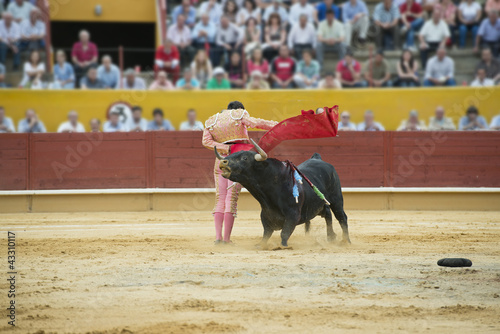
{"points": [[345, 242], [331, 239], [281, 247]]}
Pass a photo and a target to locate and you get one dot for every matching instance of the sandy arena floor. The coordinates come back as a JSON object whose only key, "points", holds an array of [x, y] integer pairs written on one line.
{"points": [[155, 272]]}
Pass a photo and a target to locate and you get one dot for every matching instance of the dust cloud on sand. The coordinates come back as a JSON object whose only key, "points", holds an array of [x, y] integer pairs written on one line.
{"points": [[159, 272]]}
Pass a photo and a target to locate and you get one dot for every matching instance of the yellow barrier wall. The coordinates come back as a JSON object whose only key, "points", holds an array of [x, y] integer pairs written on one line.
{"points": [[175, 202], [112, 10], [389, 105]]}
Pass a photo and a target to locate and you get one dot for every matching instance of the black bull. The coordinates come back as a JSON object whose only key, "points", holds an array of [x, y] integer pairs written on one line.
{"points": [[271, 181]]}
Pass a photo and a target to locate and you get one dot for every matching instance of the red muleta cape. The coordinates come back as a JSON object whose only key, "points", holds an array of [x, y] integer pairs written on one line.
{"points": [[305, 126]]}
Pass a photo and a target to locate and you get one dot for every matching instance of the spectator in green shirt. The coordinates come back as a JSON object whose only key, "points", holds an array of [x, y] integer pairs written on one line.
{"points": [[219, 80], [307, 74], [377, 71]]}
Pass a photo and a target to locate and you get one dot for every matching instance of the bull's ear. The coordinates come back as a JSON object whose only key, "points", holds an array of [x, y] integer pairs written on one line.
{"points": [[259, 157], [261, 165]]}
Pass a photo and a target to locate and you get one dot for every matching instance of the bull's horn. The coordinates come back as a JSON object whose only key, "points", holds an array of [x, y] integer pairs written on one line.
{"points": [[217, 154], [261, 156]]}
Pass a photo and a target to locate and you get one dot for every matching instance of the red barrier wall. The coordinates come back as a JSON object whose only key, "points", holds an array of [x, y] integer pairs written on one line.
{"points": [[177, 159], [83, 161], [14, 161]]}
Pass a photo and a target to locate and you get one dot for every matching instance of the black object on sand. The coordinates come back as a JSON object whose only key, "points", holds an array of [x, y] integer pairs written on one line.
{"points": [[454, 262]]}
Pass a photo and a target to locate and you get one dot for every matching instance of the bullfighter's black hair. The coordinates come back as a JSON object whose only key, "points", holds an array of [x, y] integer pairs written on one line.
{"points": [[235, 105]]}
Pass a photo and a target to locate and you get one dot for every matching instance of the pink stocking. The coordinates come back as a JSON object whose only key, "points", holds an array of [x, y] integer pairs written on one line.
{"points": [[228, 226], [219, 219]]}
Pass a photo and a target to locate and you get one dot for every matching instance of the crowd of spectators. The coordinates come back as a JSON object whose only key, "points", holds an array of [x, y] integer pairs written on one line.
{"points": [[439, 122], [31, 123], [285, 44], [262, 44]]}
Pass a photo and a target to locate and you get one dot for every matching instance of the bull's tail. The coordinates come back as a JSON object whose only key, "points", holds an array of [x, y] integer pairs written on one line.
{"points": [[316, 156]]}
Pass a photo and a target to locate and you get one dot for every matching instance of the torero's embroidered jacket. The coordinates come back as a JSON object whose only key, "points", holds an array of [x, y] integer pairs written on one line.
{"points": [[230, 126]]}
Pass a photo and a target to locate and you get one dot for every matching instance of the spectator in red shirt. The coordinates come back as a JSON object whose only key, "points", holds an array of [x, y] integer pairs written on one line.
{"points": [[348, 71], [283, 69], [167, 59], [412, 20], [84, 55]]}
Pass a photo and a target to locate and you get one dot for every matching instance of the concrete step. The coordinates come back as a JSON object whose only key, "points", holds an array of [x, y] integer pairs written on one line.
{"points": [[465, 60], [149, 76], [13, 77], [9, 61]]}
